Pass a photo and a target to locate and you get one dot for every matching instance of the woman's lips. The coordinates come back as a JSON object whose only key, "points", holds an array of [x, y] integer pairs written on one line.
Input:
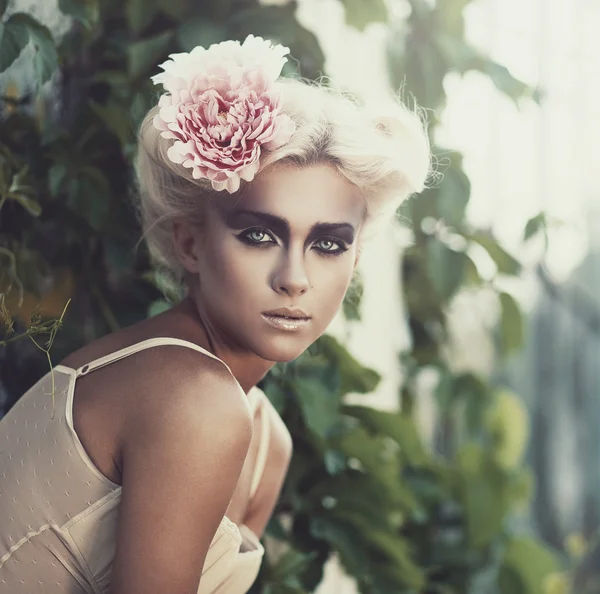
{"points": [[282, 323]]}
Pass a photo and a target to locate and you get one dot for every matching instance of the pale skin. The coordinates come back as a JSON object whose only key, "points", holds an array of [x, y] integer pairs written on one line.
{"points": [[173, 426]]}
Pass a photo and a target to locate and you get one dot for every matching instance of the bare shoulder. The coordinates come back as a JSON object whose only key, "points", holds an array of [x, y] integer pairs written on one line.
{"points": [[183, 391], [113, 401], [183, 449], [176, 373], [194, 408]]}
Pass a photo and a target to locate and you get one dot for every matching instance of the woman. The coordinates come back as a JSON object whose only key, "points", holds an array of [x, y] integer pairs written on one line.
{"points": [[148, 461]]}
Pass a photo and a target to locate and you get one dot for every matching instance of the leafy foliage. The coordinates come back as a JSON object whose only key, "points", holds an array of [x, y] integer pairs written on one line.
{"points": [[403, 515]]}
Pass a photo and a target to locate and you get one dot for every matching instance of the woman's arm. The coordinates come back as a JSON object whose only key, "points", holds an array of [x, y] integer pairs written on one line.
{"points": [[277, 463], [182, 454]]}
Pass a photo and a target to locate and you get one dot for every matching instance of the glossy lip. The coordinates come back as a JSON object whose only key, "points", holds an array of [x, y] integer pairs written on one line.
{"points": [[288, 312], [281, 323]]}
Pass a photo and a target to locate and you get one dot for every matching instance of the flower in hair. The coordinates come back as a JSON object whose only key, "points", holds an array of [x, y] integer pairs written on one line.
{"points": [[222, 109]]}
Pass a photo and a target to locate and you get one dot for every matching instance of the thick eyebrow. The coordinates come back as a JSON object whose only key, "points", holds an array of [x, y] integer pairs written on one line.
{"points": [[282, 226]]}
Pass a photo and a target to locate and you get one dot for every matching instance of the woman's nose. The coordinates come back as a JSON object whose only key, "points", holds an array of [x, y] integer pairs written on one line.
{"points": [[291, 278]]}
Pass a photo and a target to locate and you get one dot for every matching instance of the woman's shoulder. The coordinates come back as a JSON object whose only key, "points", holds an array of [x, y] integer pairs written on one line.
{"points": [[149, 385], [181, 385], [152, 361]]}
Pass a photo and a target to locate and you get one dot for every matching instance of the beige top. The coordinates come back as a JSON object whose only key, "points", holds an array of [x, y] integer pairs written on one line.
{"points": [[58, 512]]}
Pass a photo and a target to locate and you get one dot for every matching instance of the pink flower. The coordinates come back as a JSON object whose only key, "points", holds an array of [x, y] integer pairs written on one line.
{"points": [[222, 109]]}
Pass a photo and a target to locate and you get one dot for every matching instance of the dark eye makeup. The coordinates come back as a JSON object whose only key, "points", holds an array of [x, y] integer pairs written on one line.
{"points": [[246, 237]]}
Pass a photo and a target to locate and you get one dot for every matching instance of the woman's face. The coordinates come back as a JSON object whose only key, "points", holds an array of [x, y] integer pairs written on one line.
{"points": [[291, 241]]}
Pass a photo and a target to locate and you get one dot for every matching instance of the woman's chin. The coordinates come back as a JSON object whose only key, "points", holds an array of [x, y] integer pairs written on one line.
{"points": [[281, 351]]}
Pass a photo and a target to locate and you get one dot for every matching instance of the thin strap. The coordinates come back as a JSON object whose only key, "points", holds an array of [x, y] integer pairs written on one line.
{"points": [[140, 346], [263, 445]]}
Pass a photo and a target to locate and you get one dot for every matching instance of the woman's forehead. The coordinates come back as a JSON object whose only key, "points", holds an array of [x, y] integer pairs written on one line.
{"points": [[302, 196]]}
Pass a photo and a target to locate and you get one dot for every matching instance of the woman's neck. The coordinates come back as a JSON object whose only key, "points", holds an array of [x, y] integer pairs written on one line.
{"points": [[186, 321]]}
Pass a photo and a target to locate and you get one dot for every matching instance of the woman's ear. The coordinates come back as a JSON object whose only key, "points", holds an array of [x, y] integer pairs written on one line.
{"points": [[186, 242]]}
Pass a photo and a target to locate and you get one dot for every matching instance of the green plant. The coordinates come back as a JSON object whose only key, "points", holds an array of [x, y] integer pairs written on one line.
{"points": [[402, 516]]}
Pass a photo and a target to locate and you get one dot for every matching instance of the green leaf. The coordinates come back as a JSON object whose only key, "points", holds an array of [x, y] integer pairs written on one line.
{"points": [[45, 59], [116, 119], [200, 31], [444, 391], [460, 54], [535, 225], [28, 203], [475, 393], [177, 9], [21, 191], [271, 588], [511, 323], [506, 263], [374, 455], [366, 448], [445, 268], [525, 566], [472, 276], [454, 196], [89, 196], [21, 182], [397, 550], [358, 498], [334, 461], [508, 423], [140, 14], [398, 426], [276, 394], [485, 492], [464, 57], [354, 376], [275, 528], [9, 276], [158, 307], [449, 17], [291, 563], [119, 258], [317, 389], [56, 178], [421, 206], [346, 539], [505, 81], [14, 37], [85, 11], [359, 13], [416, 61], [32, 269], [353, 297], [144, 56]]}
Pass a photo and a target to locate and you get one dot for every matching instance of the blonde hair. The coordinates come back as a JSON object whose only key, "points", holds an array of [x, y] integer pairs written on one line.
{"points": [[380, 147]]}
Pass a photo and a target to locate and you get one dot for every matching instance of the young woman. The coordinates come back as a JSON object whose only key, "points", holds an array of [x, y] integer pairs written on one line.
{"points": [[148, 462]]}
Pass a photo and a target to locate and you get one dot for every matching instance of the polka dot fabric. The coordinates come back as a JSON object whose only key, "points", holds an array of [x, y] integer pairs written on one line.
{"points": [[58, 512]]}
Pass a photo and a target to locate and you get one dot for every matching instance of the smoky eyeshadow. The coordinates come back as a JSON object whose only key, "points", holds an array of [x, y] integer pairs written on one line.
{"points": [[240, 219], [341, 231]]}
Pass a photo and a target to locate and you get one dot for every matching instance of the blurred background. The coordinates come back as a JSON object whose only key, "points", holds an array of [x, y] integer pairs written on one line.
{"points": [[446, 426]]}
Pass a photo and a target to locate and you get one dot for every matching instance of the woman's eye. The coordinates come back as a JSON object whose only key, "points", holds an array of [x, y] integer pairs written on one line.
{"points": [[257, 236], [331, 246], [254, 236], [327, 244]]}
